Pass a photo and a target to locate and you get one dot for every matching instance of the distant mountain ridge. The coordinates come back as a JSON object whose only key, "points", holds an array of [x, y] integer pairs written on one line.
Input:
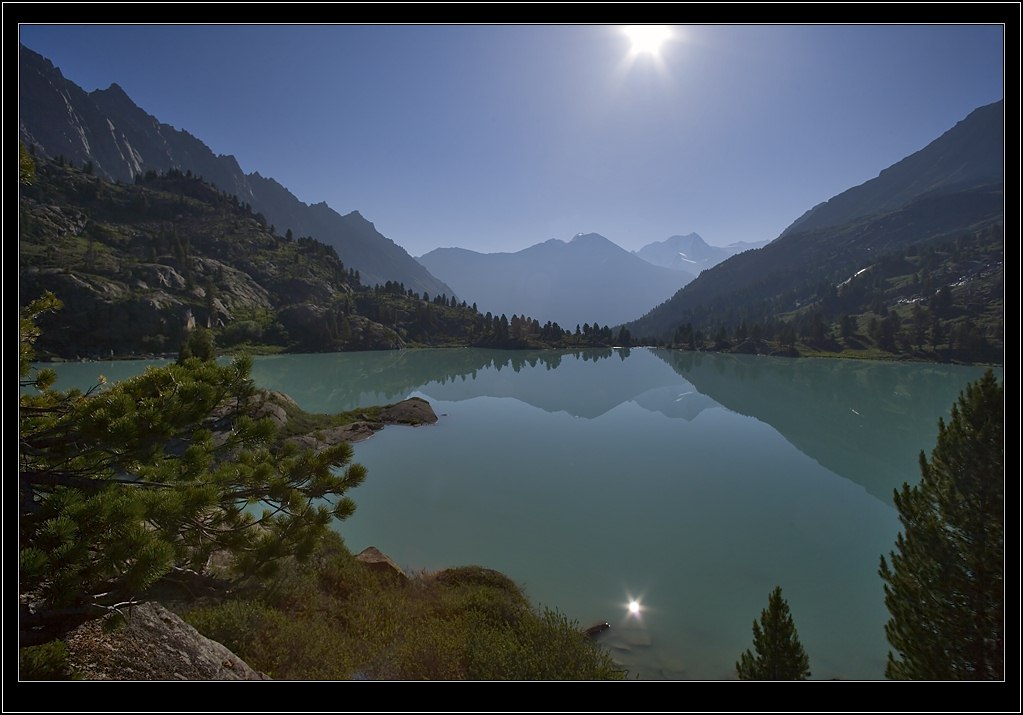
{"points": [[105, 127], [968, 155], [934, 219], [585, 280], [691, 253]]}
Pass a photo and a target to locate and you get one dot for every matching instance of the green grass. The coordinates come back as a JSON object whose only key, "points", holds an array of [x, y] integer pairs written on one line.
{"points": [[332, 618], [48, 661], [252, 349], [301, 422]]}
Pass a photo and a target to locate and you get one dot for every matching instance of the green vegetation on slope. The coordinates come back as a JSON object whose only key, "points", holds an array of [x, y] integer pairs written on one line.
{"points": [[333, 618], [939, 300], [908, 265], [137, 265]]}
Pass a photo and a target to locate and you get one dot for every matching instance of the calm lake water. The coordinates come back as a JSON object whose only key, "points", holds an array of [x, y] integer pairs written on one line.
{"points": [[693, 483]]}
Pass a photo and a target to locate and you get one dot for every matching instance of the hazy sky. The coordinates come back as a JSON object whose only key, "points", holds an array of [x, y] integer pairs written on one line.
{"points": [[496, 137]]}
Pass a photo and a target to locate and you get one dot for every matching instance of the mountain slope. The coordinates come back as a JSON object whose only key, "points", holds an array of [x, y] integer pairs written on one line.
{"points": [[122, 142], [588, 279], [968, 155], [887, 258], [137, 265]]}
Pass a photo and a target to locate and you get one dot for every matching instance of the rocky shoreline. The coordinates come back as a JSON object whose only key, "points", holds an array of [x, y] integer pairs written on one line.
{"points": [[413, 411]]}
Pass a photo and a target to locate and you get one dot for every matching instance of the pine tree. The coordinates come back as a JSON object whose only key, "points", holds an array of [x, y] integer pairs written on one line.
{"points": [[944, 588], [129, 482], [199, 343], [778, 653]]}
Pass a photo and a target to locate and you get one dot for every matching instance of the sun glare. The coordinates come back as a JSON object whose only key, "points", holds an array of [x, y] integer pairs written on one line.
{"points": [[634, 607], [647, 38]]}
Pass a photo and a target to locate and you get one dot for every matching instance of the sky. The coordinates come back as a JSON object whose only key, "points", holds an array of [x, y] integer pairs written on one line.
{"points": [[498, 137]]}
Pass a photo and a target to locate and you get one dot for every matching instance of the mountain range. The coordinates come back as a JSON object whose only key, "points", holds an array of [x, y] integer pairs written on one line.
{"points": [[120, 141], [588, 279], [137, 265], [572, 283], [691, 253], [911, 258], [931, 224]]}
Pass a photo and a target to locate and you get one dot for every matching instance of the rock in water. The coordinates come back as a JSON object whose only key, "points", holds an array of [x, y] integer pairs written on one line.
{"points": [[413, 411], [597, 628]]}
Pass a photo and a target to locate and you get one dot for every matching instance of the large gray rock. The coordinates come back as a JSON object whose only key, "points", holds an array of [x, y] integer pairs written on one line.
{"points": [[273, 404], [152, 643]]}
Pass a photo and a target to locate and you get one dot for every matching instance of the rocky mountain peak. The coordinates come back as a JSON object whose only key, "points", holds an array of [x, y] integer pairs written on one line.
{"points": [[122, 141]]}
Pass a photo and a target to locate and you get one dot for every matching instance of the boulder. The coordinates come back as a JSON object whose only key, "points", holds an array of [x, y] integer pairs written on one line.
{"points": [[413, 411], [272, 404], [151, 643], [376, 560]]}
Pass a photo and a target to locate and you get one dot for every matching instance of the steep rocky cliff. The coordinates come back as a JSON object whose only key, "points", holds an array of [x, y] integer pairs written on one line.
{"points": [[122, 142]]}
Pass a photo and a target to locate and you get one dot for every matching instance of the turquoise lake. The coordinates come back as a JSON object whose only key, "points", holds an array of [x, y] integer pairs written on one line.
{"points": [[693, 483]]}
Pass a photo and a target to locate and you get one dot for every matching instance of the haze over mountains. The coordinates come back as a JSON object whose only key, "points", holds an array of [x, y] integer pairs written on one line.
{"points": [[576, 281], [105, 127], [585, 280], [691, 253]]}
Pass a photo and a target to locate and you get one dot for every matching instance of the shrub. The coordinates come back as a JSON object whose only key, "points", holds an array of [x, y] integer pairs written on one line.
{"points": [[48, 661]]}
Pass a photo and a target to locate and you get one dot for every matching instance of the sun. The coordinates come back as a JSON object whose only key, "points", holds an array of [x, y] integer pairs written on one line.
{"points": [[647, 39]]}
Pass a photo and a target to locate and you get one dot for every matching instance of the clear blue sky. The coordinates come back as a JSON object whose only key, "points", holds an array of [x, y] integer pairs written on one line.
{"points": [[496, 137]]}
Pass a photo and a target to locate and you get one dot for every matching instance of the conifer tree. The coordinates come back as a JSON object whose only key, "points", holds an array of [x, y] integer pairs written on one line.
{"points": [[125, 483], [944, 587], [778, 654], [199, 343]]}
